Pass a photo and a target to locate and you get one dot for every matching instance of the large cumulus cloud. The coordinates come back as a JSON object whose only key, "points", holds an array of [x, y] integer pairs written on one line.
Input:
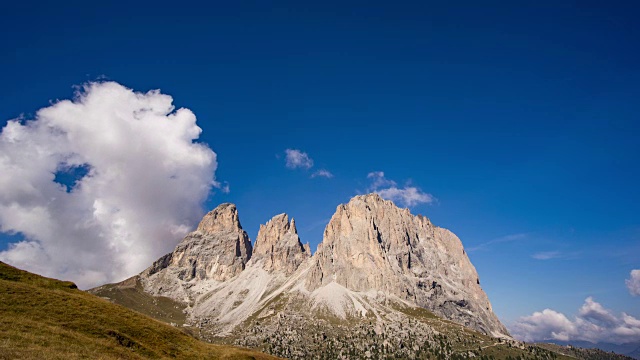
{"points": [[145, 182], [593, 323]]}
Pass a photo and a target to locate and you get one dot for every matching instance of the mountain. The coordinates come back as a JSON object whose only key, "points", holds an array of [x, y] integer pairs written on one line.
{"points": [[584, 350], [372, 245], [628, 349], [383, 283], [278, 246], [42, 318], [218, 250]]}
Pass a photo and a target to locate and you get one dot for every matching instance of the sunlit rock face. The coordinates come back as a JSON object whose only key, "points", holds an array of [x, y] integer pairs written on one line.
{"points": [[219, 249], [371, 244], [278, 247], [373, 255]]}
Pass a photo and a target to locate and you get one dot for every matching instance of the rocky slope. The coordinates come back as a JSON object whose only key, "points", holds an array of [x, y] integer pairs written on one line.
{"points": [[377, 269]]}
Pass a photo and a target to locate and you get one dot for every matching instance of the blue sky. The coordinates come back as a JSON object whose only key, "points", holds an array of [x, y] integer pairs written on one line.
{"points": [[520, 120]]}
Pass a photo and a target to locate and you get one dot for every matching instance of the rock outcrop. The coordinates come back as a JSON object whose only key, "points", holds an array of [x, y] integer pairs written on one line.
{"points": [[371, 244], [278, 247], [218, 249]]}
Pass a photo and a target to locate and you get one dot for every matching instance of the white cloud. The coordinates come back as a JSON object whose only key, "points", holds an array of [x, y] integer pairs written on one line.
{"points": [[322, 173], [633, 283], [503, 239], [144, 188], [596, 313], [545, 325], [298, 159], [224, 187], [593, 323], [546, 255], [388, 189], [409, 196], [378, 180]]}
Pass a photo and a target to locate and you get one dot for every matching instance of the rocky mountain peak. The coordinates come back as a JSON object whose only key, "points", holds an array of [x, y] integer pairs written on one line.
{"points": [[222, 218], [373, 253], [278, 246], [371, 244], [371, 198], [219, 249]]}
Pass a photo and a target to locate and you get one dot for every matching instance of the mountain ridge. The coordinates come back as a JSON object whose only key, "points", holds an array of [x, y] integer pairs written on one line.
{"points": [[370, 246], [377, 264], [382, 284]]}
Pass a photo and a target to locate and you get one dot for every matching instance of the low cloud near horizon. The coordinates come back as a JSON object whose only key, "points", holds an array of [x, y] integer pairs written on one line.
{"points": [[143, 186], [593, 323]]}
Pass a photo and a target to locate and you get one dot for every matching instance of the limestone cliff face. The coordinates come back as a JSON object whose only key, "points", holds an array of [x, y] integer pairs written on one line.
{"points": [[218, 249], [278, 247], [373, 254], [370, 244]]}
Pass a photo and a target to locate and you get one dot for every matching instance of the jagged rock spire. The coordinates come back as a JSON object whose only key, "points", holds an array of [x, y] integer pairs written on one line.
{"points": [[278, 247], [219, 249], [222, 218]]}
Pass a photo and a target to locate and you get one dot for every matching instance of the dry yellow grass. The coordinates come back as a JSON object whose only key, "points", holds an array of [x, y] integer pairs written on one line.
{"points": [[43, 318]]}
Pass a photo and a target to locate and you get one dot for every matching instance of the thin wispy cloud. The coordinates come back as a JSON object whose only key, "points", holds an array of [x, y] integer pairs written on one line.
{"points": [[388, 189], [379, 181], [317, 224], [547, 255], [296, 159], [503, 239], [322, 173], [222, 186]]}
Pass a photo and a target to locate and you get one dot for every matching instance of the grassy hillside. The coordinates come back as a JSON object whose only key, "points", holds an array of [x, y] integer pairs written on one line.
{"points": [[43, 318], [130, 294]]}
